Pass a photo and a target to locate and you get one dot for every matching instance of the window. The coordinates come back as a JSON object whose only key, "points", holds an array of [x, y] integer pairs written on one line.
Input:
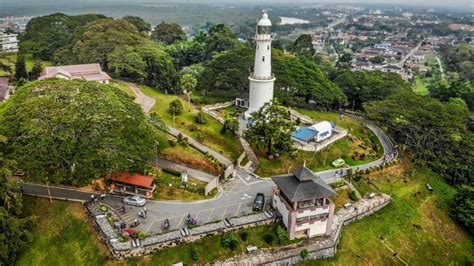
{"points": [[263, 58], [257, 46], [268, 47]]}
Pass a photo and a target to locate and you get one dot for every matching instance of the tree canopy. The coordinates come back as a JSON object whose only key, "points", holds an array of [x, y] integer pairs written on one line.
{"points": [[362, 87], [168, 33], [303, 45], [271, 129], [138, 22], [74, 131], [438, 134], [45, 35]]}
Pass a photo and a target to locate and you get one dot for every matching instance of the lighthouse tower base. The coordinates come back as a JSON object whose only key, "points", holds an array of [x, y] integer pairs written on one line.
{"points": [[260, 93]]}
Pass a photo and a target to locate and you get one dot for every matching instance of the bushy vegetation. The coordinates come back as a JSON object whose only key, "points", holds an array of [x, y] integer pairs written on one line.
{"points": [[74, 131]]}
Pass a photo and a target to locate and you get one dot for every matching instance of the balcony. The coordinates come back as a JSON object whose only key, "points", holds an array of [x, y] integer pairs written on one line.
{"points": [[252, 76]]}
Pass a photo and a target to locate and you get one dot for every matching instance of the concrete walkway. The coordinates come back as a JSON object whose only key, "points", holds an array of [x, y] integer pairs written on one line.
{"points": [[143, 100], [201, 147], [200, 175]]}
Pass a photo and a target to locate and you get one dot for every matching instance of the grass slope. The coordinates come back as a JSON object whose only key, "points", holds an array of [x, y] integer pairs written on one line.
{"points": [[440, 241], [208, 134], [62, 235]]}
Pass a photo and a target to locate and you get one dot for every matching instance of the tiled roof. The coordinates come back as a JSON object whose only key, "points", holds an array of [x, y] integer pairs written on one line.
{"points": [[133, 179]]}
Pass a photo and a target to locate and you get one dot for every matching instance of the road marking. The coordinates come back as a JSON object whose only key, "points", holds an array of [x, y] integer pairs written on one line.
{"points": [[210, 215], [238, 209], [177, 226]]}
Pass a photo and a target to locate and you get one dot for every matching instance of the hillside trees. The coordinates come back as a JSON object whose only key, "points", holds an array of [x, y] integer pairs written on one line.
{"points": [[73, 131], [299, 79], [362, 87], [47, 34], [139, 23], [463, 207], [438, 134], [14, 229]]}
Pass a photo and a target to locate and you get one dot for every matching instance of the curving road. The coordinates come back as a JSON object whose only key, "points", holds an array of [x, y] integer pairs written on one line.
{"points": [[235, 198]]}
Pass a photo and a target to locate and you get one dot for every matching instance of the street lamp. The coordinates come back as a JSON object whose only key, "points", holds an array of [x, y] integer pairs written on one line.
{"points": [[49, 192]]}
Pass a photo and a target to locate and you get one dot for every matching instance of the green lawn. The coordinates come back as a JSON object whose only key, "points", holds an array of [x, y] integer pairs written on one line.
{"points": [[164, 191], [322, 160], [440, 241], [10, 59], [421, 86], [62, 235], [208, 134]]}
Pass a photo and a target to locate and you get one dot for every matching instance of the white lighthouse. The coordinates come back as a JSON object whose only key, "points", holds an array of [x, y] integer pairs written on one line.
{"points": [[262, 79]]}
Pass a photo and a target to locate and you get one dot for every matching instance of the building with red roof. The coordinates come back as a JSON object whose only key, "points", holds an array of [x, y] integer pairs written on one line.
{"points": [[127, 183]]}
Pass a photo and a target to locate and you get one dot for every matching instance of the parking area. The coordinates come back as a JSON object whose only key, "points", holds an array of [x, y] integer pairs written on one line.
{"points": [[236, 200]]}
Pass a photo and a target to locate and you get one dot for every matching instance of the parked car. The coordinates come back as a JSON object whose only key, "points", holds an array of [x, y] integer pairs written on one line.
{"points": [[134, 200], [338, 163], [259, 202]]}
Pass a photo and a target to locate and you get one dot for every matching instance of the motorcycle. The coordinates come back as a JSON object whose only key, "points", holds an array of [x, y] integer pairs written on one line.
{"points": [[190, 220]]}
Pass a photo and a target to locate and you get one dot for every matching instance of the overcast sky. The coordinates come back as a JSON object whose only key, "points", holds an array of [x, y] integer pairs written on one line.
{"points": [[452, 3]]}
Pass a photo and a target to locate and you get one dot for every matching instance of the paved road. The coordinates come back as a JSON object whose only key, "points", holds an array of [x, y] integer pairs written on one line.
{"points": [[163, 163], [405, 58], [143, 100], [235, 200]]}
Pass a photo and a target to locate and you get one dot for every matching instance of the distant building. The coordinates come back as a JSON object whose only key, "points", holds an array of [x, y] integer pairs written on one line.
{"points": [[316, 133], [242, 101], [417, 58], [4, 90], [8, 43], [362, 65], [92, 72], [302, 199]]}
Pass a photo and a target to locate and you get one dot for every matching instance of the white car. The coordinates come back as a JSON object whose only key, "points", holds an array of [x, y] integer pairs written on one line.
{"points": [[134, 200]]}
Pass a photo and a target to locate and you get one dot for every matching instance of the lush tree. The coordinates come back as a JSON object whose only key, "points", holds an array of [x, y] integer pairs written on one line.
{"points": [[276, 44], [362, 87], [138, 22], [176, 107], [73, 131], [186, 53], [96, 40], [45, 35], [168, 33], [124, 61], [36, 70], [20, 68], [160, 72], [188, 83], [438, 134], [303, 45], [299, 80], [459, 59], [14, 229], [271, 129], [220, 38], [463, 207], [444, 91]]}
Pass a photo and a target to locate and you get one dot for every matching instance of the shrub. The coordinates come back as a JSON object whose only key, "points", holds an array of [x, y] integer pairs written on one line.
{"points": [[176, 107], [304, 254], [268, 238], [244, 236], [194, 254], [229, 240], [353, 195], [201, 118], [282, 235]]}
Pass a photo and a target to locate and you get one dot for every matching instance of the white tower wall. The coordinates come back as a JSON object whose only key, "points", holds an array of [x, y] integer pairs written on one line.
{"points": [[261, 80]]}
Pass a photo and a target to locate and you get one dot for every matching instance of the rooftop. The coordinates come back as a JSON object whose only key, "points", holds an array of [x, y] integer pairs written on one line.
{"points": [[84, 71], [133, 179], [303, 184]]}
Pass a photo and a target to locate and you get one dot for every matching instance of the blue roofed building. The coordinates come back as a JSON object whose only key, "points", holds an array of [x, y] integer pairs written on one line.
{"points": [[316, 133]]}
